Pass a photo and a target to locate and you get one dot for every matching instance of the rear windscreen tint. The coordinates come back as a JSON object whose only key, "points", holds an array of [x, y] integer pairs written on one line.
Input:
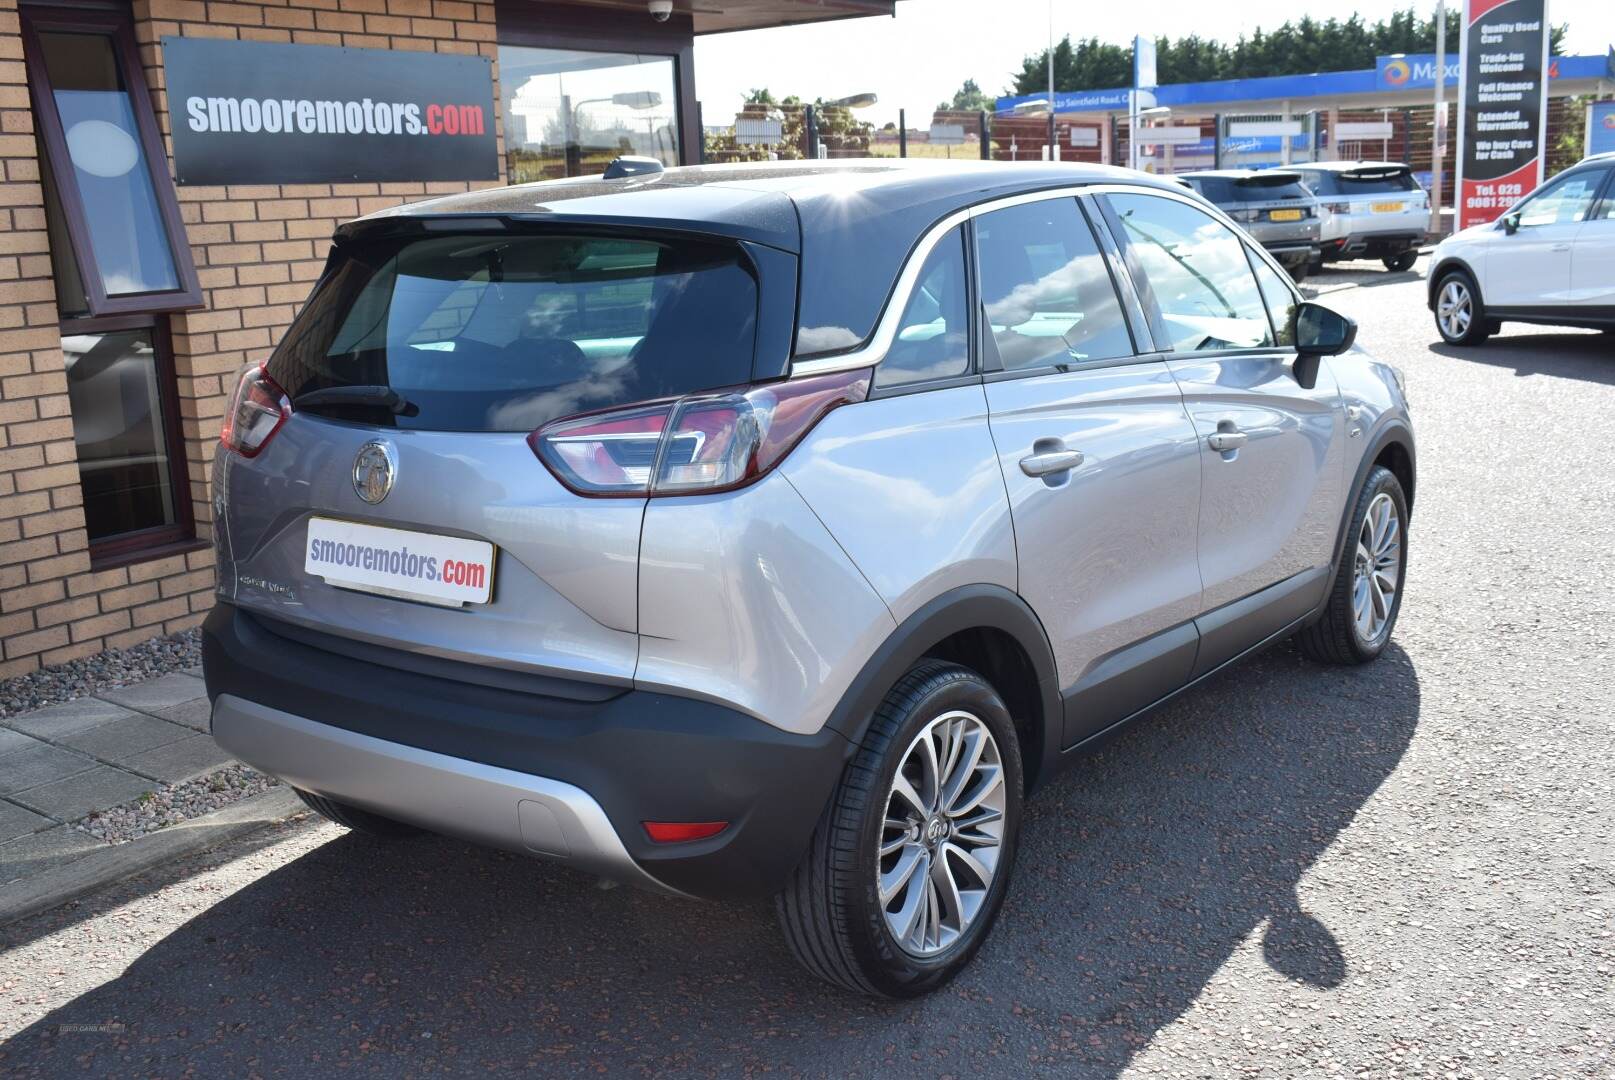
{"points": [[507, 332], [1227, 190], [1333, 183]]}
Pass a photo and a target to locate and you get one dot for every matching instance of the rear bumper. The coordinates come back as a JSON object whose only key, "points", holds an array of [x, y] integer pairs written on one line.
{"points": [[492, 806], [1373, 245], [541, 769]]}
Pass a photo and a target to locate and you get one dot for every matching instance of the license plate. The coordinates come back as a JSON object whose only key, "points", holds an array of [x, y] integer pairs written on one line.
{"points": [[446, 570], [1387, 207], [1284, 215]]}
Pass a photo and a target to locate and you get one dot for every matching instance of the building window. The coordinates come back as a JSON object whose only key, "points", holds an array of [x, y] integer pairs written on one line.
{"points": [[120, 381], [120, 262], [117, 242], [568, 112]]}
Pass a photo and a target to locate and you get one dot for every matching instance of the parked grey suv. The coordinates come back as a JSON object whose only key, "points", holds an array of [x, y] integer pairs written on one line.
{"points": [[1272, 205], [778, 529]]}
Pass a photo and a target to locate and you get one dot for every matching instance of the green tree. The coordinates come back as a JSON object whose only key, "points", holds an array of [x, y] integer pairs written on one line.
{"points": [[968, 98], [1300, 47]]}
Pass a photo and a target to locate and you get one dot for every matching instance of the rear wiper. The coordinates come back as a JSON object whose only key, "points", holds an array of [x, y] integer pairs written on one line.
{"points": [[384, 397]]}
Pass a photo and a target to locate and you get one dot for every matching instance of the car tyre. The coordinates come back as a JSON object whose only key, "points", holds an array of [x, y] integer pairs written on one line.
{"points": [[1298, 271], [848, 901], [358, 820], [1366, 596], [1460, 315], [1399, 263]]}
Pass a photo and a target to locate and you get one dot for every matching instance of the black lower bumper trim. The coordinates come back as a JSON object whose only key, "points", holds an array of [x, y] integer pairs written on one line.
{"points": [[643, 756]]}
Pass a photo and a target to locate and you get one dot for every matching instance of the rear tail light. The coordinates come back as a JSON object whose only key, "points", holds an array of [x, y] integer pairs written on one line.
{"points": [[696, 444], [257, 410], [1246, 215]]}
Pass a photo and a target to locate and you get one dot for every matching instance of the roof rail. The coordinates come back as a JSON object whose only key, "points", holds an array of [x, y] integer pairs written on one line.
{"points": [[623, 167]]}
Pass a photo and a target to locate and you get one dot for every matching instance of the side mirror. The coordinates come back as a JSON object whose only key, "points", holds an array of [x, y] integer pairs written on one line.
{"points": [[1511, 223], [1318, 332]]}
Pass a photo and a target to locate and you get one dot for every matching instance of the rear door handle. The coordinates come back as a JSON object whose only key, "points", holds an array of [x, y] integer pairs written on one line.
{"points": [[1561, 247], [1050, 462], [1226, 440]]}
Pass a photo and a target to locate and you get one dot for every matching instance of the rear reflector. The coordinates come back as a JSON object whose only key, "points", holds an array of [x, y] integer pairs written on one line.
{"points": [[678, 832]]}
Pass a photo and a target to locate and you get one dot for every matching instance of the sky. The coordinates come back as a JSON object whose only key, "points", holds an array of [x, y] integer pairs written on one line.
{"points": [[920, 57]]}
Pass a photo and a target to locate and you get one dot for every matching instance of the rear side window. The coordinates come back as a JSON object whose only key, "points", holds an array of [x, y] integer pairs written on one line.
{"points": [[505, 333], [1046, 293], [933, 336]]}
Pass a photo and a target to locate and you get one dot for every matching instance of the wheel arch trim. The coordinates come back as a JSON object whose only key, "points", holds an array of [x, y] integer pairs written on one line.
{"points": [[968, 607], [1391, 431], [1439, 271]]}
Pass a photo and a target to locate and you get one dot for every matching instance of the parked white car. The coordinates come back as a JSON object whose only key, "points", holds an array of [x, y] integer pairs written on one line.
{"points": [[1371, 210], [1550, 260]]}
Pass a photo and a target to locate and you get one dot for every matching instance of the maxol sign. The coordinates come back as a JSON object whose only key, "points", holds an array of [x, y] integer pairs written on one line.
{"points": [[245, 112], [1414, 72]]}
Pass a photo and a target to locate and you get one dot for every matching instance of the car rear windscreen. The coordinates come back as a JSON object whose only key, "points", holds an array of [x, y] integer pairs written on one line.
{"points": [[1227, 190], [1366, 183], [507, 332]]}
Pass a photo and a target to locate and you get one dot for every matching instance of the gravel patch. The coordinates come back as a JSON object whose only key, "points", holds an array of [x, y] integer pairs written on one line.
{"points": [[159, 809], [102, 671]]}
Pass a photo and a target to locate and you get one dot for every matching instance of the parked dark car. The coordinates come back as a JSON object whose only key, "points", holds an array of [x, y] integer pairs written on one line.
{"points": [[1270, 204]]}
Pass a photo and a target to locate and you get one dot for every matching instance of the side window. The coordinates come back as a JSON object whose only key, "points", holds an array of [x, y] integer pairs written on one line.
{"points": [[1197, 270], [933, 336], [1563, 202], [1279, 298], [1046, 293]]}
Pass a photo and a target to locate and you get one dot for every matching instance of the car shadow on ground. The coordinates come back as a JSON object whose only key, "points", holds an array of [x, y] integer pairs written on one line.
{"points": [[1566, 355], [1141, 872], [1334, 278]]}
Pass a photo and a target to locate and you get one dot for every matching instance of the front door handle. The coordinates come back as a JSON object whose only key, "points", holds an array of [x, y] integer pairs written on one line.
{"points": [[1225, 441], [1050, 462]]}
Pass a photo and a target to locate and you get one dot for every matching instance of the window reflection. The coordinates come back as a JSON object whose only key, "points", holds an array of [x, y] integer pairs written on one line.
{"points": [[1045, 289], [1197, 269], [569, 112], [118, 425], [109, 169]]}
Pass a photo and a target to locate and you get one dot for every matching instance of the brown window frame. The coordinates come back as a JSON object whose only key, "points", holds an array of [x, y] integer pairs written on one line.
{"points": [[155, 541], [118, 26]]}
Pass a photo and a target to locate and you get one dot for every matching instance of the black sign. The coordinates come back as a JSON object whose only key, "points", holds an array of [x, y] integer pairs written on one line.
{"points": [[246, 112], [1502, 104]]}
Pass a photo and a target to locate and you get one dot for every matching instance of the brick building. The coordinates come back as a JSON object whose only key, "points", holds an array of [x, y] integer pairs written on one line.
{"points": [[130, 300]]}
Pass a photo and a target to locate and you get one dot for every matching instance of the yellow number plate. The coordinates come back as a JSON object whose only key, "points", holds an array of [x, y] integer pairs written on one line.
{"points": [[1284, 215], [1387, 207]]}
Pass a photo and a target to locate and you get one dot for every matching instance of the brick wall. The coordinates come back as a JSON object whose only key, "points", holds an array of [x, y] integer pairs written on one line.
{"points": [[257, 250]]}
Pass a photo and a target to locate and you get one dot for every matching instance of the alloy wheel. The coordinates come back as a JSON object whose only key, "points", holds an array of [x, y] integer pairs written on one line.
{"points": [[1455, 309], [1378, 568], [942, 834]]}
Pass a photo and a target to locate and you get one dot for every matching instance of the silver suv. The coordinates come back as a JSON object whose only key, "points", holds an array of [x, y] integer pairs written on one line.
{"points": [[1371, 210], [777, 529]]}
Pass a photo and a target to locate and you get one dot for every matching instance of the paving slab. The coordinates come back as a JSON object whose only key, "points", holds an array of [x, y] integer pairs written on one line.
{"points": [[161, 693], [58, 721], [18, 821], [118, 740], [39, 764], [72, 798], [196, 715], [180, 761], [41, 852], [12, 741]]}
